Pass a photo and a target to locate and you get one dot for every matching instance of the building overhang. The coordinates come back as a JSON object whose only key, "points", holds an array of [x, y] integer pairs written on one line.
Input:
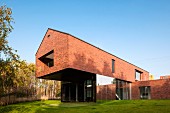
{"points": [[69, 75]]}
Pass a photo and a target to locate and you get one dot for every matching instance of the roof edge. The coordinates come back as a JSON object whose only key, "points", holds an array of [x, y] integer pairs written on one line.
{"points": [[41, 41]]}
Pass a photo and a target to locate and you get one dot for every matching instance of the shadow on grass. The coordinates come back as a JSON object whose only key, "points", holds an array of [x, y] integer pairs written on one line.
{"points": [[23, 107], [77, 107], [20, 109]]}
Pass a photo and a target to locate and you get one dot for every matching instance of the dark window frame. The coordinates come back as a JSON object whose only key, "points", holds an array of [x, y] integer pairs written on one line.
{"points": [[136, 78], [145, 92], [113, 66], [47, 61]]}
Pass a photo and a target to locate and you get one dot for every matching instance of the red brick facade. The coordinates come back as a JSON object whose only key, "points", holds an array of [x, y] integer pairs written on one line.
{"points": [[53, 41], [160, 89], [106, 92], [165, 77], [71, 52], [84, 56]]}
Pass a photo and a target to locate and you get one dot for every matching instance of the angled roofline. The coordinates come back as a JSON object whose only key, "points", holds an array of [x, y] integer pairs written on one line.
{"points": [[41, 42], [88, 44]]}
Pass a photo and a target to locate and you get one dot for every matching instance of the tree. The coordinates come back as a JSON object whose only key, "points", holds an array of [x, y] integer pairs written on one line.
{"points": [[7, 56], [17, 76], [6, 28], [25, 79]]}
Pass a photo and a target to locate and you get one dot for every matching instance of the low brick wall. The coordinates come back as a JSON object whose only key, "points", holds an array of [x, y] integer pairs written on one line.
{"points": [[106, 92], [12, 99], [160, 89]]}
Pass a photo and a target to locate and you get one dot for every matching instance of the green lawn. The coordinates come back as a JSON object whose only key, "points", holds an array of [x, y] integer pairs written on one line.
{"points": [[123, 106]]}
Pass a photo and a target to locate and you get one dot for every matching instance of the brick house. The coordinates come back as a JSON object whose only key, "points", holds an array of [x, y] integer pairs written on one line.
{"points": [[78, 64], [165, 77]]}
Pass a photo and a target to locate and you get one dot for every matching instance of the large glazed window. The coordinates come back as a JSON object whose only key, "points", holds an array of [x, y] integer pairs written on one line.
{"points": [[123, 90], [83, 90], [48, 59]]}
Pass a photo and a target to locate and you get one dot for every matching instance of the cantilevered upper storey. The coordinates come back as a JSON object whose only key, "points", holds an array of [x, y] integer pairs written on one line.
{"points": [[60, 55]]}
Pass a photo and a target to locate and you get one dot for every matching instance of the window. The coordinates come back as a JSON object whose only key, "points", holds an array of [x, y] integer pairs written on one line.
{"points": [[89, 89], [104, 80], [113, 65], [123, 90], [138, 75], [48, 59], [89, 92], [89, 83], [145, 92]]}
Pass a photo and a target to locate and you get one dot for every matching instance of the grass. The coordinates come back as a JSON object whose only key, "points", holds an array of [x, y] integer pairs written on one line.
{"points": [[123, 106]]}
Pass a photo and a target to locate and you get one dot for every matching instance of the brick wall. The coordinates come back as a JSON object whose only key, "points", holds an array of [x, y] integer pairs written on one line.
{"points": [[58, 42], [71, 52], [160, 89], [106, 92], [84, 56]]}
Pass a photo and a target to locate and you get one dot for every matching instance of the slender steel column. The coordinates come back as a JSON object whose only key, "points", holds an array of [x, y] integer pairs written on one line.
{"points": [[69, 93], [84, 90], [76, 92], [130, 92]]}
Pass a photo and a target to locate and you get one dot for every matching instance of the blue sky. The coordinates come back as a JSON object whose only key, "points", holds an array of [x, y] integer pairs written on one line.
{"points": [[135, 30]]}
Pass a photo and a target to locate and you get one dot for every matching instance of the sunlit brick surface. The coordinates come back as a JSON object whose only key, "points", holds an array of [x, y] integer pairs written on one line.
{"points": [[71, 52]]}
